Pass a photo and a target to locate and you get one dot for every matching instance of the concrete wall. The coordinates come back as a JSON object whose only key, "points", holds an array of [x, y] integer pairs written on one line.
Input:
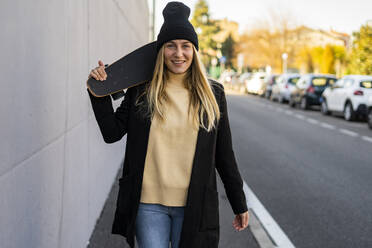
{"points": [[55, 169]]}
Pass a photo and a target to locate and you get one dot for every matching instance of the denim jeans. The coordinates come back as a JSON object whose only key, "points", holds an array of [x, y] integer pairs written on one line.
{"points": [[157, 225]]}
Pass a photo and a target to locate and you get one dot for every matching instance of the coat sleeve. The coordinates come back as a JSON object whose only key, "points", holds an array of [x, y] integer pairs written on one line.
{"points": [[113, 125], [226, 164]]}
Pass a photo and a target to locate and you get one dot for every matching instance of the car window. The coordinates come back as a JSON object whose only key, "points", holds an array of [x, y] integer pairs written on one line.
{"points": [[348, 82], [293, 80], [366, 84], [332, 81], [339, 83], [319, 81], [275, 80], [301, 82]]}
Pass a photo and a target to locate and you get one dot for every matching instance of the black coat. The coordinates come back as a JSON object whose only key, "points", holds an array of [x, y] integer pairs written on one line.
{"points": [[213, 151]]}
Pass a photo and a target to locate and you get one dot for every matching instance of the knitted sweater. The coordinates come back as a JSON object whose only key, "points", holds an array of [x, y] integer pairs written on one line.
{"points": [[170, 152]]}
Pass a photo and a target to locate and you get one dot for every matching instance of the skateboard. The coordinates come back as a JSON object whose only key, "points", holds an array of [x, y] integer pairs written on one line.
{"points": [[134, 68]]}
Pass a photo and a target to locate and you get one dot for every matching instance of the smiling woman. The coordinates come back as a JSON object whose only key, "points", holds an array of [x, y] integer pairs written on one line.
{"points": [[178, 55], [178, 136]]}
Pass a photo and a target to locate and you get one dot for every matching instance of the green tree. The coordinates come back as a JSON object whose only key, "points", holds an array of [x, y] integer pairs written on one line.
{"points": [[206, 28], [228, 50], [360, 58]]}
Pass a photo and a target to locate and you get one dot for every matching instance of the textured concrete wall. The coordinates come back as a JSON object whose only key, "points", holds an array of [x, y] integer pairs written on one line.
{"points": [[55, 169]]}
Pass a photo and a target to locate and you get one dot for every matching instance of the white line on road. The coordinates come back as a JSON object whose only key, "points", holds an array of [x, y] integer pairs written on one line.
{"points": [[279, 109], [300, 116], [288, 112], [312, 121], [348, 132], [367, 138], [278, 236], [326, 125]]}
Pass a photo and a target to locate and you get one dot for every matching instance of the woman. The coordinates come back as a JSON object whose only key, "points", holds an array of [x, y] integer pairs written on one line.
{"points": [[178, 134]]}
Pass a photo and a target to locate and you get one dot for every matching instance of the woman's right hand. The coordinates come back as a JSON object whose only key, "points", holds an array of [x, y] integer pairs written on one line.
{"points": [[99, 73]]}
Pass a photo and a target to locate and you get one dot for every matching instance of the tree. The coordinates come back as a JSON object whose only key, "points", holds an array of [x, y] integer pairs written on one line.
{"points": [[360, 58], [228, 50], [206, 28], [328, 60]]}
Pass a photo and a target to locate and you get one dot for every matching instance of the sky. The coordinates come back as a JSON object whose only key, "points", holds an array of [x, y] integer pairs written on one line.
{"points": [[341, 15]]}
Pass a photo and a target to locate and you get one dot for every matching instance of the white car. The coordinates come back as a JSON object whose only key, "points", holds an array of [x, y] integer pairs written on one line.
{"points": [[255, 84], [369, 112], [348, 96]]}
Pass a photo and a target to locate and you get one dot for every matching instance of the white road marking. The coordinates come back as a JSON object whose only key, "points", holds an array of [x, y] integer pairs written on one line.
{"points": [[367, 138], [326, 125], [276, 234], [312, 121], [300, 116], [348, 132], [288, 112]]}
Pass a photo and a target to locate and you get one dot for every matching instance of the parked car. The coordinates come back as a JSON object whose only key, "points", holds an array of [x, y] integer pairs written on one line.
{"points": [[243, 78], [269, 81], [369, 114], [309, 89], [254, 84], [285, 84], [348, 96], [227, 77]]}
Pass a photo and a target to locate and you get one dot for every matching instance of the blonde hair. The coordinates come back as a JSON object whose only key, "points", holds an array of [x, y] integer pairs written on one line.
{"points": [[202, 99]]}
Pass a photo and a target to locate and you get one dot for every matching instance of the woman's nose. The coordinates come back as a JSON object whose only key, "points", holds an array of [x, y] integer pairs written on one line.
{"points": [[179, 52]]}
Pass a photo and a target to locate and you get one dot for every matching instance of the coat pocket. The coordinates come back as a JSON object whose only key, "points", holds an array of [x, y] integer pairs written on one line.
{"points": [[210, 210], [124, 201]]}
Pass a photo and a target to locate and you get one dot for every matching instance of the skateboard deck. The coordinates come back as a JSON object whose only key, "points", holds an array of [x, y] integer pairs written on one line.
{"points": [[134, 68]]}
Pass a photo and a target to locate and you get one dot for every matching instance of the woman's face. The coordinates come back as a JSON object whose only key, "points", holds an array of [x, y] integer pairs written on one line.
{"points": [[178, 55]]}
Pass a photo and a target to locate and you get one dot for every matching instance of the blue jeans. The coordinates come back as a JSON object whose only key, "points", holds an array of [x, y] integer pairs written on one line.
{"points": [[157, 225]]}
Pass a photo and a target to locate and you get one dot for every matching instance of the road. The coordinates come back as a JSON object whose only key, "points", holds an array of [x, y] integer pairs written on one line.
{"points": [[311, 172]]}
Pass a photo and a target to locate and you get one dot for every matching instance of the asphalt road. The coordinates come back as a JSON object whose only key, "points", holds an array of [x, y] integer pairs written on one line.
{"points": [[313, 173]]}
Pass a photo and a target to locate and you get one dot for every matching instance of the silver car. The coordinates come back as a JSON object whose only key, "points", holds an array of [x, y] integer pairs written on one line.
{"points": [[285, 84]]}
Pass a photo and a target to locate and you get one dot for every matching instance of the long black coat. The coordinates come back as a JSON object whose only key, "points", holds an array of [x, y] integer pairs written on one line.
{"points": [[213, 151]]}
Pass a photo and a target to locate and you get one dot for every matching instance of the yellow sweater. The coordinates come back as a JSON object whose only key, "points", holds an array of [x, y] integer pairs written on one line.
{"points": [[170, 152]]}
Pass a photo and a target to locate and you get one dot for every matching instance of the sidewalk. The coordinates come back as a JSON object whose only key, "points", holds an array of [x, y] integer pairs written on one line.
{"points": [[101, 236]]}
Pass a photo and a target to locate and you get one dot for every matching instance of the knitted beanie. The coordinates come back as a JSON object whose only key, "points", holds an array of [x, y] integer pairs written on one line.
{"points": [[176, 25]]}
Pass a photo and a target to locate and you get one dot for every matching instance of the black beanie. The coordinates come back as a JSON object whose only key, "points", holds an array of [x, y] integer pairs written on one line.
{"points": [[176, 25]]}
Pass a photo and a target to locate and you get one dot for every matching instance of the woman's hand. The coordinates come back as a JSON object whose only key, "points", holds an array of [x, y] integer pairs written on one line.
{"points": [[99, 73], [240, 221]]}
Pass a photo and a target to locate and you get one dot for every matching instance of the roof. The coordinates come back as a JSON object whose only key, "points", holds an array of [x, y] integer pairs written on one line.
{"points": [[359, 77]]}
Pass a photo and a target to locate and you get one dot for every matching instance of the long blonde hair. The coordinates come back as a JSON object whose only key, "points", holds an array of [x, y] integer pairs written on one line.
{"points": [[202, 99]]}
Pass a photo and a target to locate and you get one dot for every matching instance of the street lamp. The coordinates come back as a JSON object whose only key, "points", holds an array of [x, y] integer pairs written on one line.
{"points": [[284, 57]]}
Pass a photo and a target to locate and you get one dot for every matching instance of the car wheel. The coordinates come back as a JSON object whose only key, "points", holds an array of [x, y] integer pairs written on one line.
{"points": [[369, 118], [349, 113], [281, 99], [291, 103], [304, 105], [324, 108]]}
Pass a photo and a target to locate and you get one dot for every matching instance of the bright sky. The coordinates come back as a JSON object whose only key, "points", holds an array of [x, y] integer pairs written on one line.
{"points": [[341, 15]]}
